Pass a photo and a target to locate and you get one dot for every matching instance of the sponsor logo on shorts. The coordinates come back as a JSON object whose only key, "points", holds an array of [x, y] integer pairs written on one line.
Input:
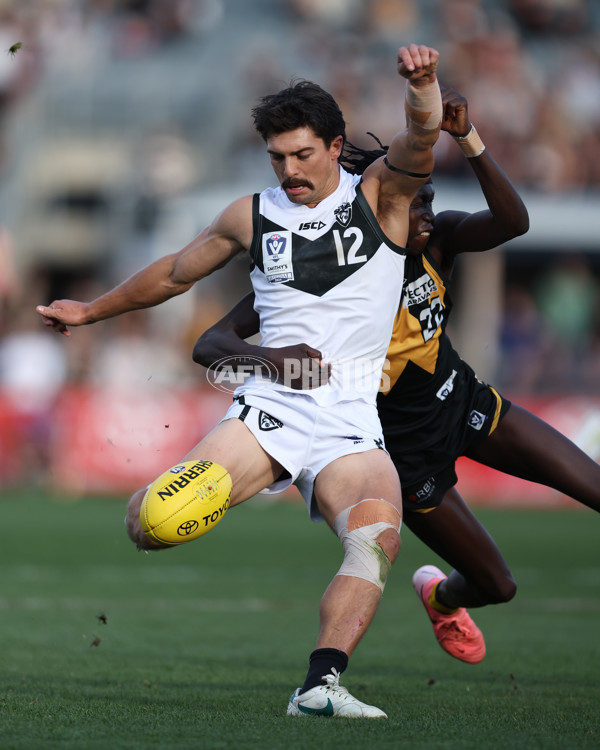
{"points": [[356, 439], [424, 493], [343, 214], [447, 388], [266, 422], [476, 420]]}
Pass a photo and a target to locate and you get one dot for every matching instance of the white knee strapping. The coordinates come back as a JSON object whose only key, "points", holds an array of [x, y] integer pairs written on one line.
{"points": [[358, 528]]}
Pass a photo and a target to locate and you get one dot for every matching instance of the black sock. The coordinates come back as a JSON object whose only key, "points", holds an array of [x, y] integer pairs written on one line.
{"points": [[320, 663], [440, 598]]}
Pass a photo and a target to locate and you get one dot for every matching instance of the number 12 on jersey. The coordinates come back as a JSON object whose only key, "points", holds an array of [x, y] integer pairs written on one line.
{"points": [[352, 254]]}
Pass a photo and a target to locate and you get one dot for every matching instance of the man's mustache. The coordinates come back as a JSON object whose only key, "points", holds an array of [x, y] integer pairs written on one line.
{"points": [[289, 183]]}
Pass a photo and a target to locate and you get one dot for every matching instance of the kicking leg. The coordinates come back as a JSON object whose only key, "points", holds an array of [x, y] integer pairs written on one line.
{"points": [[231, 445]]}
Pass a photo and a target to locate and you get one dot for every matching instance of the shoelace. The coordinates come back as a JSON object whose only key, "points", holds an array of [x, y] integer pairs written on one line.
{"points": [[333, 681], [454, 628]]}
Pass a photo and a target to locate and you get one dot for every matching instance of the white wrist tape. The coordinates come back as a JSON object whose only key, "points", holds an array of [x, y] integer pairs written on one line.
{"points": [[423, 105], [358, 528], [470, 144]]}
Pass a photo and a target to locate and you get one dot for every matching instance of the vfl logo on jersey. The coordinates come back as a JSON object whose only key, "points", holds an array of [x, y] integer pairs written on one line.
{"points": [[266, 422], [447, 388], [476, 420], [343, 214], [277, 256], [418, 291]]}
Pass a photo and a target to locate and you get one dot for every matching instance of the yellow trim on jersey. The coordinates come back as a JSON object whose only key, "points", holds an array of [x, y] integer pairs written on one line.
{"points": [[497, 412], [415, 337]]}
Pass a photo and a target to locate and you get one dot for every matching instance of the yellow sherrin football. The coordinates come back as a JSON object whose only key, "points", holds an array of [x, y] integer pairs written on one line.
{"points": [[185, 502]]}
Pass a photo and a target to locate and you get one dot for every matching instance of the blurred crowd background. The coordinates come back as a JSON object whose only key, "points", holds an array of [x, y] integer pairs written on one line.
{"points": [[125, 126]]}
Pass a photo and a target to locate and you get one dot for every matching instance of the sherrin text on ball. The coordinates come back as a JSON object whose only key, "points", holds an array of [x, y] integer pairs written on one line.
{"points": [[185, 502]]}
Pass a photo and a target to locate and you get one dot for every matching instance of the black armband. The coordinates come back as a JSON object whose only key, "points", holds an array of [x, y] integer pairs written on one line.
{"points": [[403, 171]]}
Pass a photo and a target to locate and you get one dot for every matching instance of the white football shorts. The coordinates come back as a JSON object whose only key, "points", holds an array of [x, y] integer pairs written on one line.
{"points": [[303, 436]]}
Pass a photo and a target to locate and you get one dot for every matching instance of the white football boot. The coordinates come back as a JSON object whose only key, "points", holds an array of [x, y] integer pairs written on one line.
{"points": [[331, 700]]}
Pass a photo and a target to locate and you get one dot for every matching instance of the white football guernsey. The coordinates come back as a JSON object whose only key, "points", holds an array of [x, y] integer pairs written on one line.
{"points": [[327, 276]]}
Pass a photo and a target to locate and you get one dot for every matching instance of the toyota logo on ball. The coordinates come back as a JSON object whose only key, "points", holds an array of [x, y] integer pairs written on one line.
{"points": [[187, 528]]}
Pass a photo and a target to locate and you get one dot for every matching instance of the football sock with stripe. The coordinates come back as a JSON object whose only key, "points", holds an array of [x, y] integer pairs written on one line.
{"points": [[436, 600], [320, 663]]}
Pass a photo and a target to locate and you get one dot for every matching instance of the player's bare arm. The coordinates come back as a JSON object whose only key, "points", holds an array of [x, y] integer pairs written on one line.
{"points": [[299, 366], [227, 337], [390, 184], [506, 216], [229, 234]]}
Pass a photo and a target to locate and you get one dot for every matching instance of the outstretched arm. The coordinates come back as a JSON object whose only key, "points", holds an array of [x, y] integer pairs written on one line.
{"points": [[506, 216], [229, 234], [389, 184], [410, 153], [298, 366]]}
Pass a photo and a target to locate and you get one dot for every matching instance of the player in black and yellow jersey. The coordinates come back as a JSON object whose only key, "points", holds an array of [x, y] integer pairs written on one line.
{"points": [[432, 406]]}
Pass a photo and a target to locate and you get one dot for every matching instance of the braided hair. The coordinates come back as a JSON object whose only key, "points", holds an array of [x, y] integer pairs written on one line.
{"points": [[355, 160]]}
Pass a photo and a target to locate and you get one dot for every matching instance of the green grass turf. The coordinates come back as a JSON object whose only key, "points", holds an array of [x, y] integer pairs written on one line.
{"points": [[204, 644]]}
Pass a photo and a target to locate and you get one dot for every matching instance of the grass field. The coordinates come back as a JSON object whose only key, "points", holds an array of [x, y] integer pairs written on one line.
{"points": [[203, 645]]}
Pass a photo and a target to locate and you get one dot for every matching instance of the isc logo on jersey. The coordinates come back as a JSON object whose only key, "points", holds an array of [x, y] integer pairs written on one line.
{"points": [[308, 225], [277, 256]]}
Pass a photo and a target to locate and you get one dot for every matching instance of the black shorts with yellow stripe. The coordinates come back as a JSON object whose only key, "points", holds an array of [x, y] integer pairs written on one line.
{"points": [[427, 446]]}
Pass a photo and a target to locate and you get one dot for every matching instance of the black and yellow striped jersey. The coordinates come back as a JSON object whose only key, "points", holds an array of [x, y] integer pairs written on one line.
{"points": [[432, 406], [419, 350]]}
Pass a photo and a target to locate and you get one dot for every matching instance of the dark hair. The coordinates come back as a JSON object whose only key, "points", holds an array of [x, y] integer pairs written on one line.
{"points": [[355, 160], [302, 104]]}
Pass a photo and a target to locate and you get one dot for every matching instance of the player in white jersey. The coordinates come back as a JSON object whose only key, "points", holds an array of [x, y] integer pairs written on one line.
{"points": [[336, 281], [340, 299]]}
